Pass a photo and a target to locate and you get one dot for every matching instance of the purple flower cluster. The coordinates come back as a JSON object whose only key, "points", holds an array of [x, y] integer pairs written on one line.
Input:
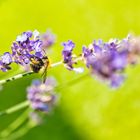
{"points": [[107, 60], [69, 58], [42, 95], [5, 61], [67, 54], [26, 46]]}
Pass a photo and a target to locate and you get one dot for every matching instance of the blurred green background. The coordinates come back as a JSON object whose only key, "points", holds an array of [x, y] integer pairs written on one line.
{"points": [[88, 110]]}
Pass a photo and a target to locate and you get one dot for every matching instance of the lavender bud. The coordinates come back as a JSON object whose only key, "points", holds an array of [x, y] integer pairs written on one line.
{"points": [[5, 61]]}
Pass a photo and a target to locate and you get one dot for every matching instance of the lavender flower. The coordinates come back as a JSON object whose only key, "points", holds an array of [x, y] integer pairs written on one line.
{"points": [[27, 45], [48, 39], [42, 95], [68, 57], [5, 61], [106, 60], [67, 54]]}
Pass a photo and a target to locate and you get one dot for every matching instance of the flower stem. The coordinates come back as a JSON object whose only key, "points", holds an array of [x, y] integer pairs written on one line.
{"points": [[56, 64], [14, 125], [22, 131], [15, 108], [25, 74], [16, 77]]}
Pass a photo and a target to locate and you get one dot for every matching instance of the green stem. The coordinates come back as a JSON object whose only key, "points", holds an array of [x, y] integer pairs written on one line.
{"points": [[22, 131], [16, 77], [14, 125], [15, 108], [25, 74]]}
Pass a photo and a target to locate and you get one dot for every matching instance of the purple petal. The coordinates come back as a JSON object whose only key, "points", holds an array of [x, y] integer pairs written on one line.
{"points": [[7, 58]]}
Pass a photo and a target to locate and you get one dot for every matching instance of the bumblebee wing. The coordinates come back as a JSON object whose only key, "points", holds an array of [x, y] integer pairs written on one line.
{"points": [[44, 74]]}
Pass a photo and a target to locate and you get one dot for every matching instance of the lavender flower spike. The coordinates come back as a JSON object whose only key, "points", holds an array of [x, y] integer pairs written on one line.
{"points": [[67, 54], [68, 57], [42, 95], [106, 61]]}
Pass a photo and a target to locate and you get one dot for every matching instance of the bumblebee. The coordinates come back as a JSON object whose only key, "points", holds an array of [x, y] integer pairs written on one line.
{"points": [[38, 64]]}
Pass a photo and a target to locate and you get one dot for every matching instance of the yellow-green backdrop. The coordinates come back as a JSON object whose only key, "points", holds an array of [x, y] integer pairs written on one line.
{"points": [[88, 110]]}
